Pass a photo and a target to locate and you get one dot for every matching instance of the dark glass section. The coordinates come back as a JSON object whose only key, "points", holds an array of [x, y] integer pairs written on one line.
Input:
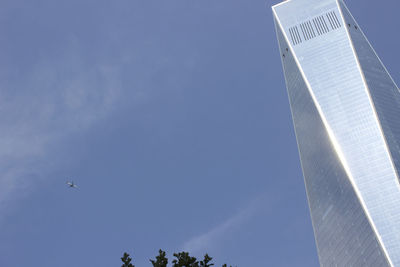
{"points": [[384, 92], [342, 231]]}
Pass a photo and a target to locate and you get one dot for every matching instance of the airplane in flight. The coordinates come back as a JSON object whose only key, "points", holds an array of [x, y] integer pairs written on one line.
{"points": [[71, 184]]}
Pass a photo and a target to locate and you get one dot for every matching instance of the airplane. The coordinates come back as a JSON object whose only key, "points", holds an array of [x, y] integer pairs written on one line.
{"points": [[71, 184]]}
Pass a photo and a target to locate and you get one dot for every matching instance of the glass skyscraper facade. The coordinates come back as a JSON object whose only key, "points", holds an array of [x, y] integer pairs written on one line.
{"points": [[346, 115]]}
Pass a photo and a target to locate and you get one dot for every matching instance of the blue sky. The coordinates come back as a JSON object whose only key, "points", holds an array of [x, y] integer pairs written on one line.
{"points": [[173, 119]]}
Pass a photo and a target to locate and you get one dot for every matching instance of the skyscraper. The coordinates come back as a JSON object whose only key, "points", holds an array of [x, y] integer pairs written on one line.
{"points": [[346, 115]]}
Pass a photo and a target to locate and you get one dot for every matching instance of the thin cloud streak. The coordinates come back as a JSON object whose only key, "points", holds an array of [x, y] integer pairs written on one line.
{"points": [[213, 237]]}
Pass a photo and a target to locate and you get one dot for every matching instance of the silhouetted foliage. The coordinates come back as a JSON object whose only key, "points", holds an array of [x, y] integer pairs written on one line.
{"points": [[206, 262], [126, 260], [161, 260], [182, 259]]}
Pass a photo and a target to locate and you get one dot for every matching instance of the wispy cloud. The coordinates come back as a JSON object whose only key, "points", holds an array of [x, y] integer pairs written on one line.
{"points": [[216, 235], [44, 106]]}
